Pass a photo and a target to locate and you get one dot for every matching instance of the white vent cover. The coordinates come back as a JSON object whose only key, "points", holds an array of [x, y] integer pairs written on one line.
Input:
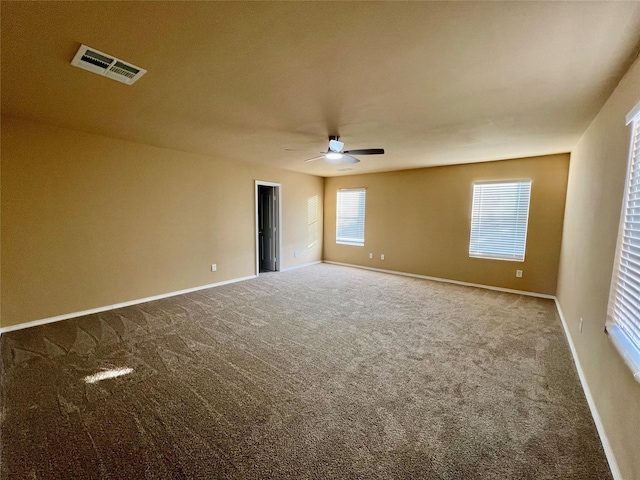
{"points": [[98, 62]]}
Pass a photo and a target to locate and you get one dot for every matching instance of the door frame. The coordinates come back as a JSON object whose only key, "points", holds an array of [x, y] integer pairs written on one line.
{"points": [[278, 188]]}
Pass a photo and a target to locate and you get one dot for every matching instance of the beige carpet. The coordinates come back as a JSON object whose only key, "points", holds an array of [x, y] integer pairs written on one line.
{"points": [[322, 372]]}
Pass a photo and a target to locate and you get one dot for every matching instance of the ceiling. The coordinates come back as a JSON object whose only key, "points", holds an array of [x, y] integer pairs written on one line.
{"points": [[433, 83]]}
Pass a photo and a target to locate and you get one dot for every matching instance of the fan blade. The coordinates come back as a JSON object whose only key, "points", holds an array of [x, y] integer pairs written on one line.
{"points": [[314, 158], [365, 151], [349, 159]]}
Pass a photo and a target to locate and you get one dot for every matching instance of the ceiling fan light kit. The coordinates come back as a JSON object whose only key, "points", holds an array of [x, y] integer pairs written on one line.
{"points": [[335, 145]]}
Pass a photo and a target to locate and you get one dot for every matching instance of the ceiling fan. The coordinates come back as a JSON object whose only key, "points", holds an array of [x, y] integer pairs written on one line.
{"points": [[335, 154]]}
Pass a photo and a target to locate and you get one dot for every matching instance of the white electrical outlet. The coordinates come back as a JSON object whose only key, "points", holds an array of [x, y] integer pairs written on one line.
{"points": [[214, 267], [382, 256], [295, 254], [371, 255], [581, 322], [519, 273]]}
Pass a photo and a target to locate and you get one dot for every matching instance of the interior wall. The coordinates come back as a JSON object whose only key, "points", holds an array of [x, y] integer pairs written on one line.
{"points": [[90, 221], [0, 242], [420, 220], [594, 202]]}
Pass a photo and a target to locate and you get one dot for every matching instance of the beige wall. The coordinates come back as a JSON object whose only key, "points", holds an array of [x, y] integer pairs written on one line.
{"points": [[420, 220], [594, 201], [89, 221]]}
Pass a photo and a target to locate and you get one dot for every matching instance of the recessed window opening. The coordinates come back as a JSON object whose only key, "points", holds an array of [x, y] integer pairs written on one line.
{"points": [[350, 216], [499, 218], [623, 316]]}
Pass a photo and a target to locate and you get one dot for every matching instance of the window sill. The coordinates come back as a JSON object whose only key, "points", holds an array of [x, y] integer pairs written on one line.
{"points": [[629, 352], [350, 243], [487, 257]]}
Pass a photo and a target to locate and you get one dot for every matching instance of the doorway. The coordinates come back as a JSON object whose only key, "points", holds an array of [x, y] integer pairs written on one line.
{"points": [[268, 233]]}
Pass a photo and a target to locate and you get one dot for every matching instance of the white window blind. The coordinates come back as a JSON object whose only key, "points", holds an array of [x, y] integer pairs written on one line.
{"points": [[499, 217], [350, 216], [623, 324]]}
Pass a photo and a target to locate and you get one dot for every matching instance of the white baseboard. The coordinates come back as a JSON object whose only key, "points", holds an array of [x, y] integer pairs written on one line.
{"points": [[66, 316], [613, 464], [301, 266], [446, 280]]}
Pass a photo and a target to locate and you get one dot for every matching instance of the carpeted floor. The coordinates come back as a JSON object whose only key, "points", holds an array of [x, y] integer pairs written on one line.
{"points": [[322, 372]]}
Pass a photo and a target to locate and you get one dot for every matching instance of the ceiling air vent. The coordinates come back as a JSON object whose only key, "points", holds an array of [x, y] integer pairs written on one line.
{"points": [[98, 62]]}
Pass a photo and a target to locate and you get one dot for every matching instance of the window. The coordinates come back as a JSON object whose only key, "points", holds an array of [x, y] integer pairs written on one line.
{"points": [[499, 218], [623, 322], [350, 216]]}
